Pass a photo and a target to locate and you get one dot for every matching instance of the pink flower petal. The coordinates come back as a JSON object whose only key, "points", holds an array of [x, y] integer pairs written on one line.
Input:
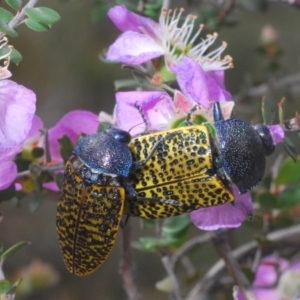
{"points": [[36, 127], [52, 186], [17, 108], [71, 124], [192, 80], [228, 215], [157, 108], [267, 271], [126, 20], [134, 48], [183, 103], [277, 133], [8, 173]]}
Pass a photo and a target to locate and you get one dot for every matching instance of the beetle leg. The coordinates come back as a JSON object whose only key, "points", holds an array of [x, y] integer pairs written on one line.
{"points": [[133, 194], [188, 119], [218, 115], [138, 164]]}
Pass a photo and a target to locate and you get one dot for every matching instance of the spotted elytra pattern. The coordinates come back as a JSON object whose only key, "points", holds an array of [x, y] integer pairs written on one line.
{"points": [[88, 218], [180, 169]]}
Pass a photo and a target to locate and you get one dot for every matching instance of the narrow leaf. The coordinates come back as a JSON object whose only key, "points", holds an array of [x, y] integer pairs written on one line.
{"points": [[5, 15], [36, 202], [15, 56], [36, 26], [290, 148], [5, 28], [289, 172], [42, 15], [12, 250], [5, 287], [66, 147], [15, 4]]}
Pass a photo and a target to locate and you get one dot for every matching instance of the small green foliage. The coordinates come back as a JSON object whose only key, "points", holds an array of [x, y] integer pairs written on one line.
{"points": [[176, 227], [42, 15], [249, 274], [37, 152], [35, 170], [15, 4], [151, 243], [36, 26], [13, 249], [5, 15], [66, 147], [290, 148], [15, 56], [289, 172], [289, 197], [125, 83], [5, 287], [103, 126], [165, 285], [5, 28], [36, 202], [267, 200]]}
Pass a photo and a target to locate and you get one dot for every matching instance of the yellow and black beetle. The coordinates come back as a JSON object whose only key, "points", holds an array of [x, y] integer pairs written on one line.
{"points": [[155, 175], [197, 169]]}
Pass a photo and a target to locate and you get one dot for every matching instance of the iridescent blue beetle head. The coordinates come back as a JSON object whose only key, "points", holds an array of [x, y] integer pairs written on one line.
{"points": [[106, 151], [242, 149]]}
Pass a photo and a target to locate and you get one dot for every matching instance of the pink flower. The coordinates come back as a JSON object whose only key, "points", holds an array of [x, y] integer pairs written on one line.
{"points": [[72, 125], [17, 108], [276, 279], [143, 39], [228, 215]]}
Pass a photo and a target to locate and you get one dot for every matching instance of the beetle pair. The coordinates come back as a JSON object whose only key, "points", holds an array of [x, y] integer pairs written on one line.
{"points": [[153, 176]]}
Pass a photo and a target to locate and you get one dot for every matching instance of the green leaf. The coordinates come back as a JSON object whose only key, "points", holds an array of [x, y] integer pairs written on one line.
{"points": [[176, 227], [165, 285], [5, 15], [289, 172], [37, 152], [5, 287], [267, 200], [5, 28], [15, 4], [12, 250], [66, 147], [36, 202], [151, 243], [42, 15], [125, 83], [35, 170], [15, 56], [289, 197], [290, 148], [36, 26], [103, 126]]}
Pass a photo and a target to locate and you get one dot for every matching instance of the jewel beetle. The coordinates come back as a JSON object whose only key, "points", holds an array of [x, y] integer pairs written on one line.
{"points": [[196, 168], [91, 204]]}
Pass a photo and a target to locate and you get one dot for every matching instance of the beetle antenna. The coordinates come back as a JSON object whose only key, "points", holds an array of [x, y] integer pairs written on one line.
{"points": [[188, 119], [140, 110]]}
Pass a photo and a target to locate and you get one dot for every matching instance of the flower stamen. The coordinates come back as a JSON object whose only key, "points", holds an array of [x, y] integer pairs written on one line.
{"points": [[179, 40]]}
